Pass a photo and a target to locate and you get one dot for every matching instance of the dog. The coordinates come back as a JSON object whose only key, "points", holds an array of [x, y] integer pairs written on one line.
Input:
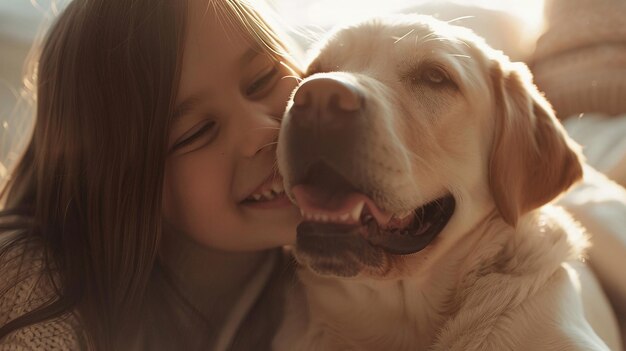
{"points": [[425, 164]]}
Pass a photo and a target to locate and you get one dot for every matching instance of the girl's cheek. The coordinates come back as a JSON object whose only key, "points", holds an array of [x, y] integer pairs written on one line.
{"points": [[282, 94]]}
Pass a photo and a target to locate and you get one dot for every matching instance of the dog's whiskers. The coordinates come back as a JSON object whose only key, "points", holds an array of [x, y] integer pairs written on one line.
{"points": [[428, 36], [459, 19], [294, 74], [298, 79], [402, 37], [268, 145], [439, 204], [460, 55], [458, 41], [421, 214], [278, 119], [436, 37], [272, 128], [275, 170]]}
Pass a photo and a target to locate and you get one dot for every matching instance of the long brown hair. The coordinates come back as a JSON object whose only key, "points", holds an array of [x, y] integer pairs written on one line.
{"points": [[88, 187]]}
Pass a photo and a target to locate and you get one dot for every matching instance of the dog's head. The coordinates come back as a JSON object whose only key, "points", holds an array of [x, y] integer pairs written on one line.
{"points": [[405, 134]]}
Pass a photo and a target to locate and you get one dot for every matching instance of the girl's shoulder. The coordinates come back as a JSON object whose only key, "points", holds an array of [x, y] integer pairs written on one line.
{"points": [[56, 334], [24, 286]]}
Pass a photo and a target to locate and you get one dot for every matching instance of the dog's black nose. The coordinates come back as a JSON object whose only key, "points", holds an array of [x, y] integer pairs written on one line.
{"points": [[326, 102]]}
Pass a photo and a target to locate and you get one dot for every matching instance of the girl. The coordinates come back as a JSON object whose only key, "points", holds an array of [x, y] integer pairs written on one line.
{"points": [[146, 212]]}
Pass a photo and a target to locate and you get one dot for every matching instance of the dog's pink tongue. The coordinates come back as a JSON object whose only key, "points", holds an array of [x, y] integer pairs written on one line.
{"points": [[315, 201]]}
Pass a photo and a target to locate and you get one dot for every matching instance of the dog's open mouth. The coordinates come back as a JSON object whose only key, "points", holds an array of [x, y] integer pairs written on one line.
{"points": [[334, 209]]}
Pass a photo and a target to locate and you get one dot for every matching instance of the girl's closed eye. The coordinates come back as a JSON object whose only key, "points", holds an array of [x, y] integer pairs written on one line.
{"points": [[262, 85], [204, 131]]}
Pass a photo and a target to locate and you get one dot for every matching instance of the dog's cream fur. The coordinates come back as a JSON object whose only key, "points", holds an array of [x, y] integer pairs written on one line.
{"points": [[500, 275]]}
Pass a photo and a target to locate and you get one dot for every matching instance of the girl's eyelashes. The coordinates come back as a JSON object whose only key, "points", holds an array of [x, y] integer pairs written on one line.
{"points": [[205, 130], [259, 87]]}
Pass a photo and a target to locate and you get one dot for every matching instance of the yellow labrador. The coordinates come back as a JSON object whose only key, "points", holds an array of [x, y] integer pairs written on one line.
{"points": [[424, 163]]}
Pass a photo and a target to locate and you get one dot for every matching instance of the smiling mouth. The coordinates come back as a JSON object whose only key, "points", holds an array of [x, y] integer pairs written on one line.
{"points": [[334, 209], [268, 191]]}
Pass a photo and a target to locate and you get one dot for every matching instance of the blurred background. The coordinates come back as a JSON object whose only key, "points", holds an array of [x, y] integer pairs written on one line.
{"points": [[23, 22]]}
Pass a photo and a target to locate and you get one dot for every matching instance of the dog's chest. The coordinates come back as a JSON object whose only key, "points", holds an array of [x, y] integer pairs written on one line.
{"points": [[391, 316]]}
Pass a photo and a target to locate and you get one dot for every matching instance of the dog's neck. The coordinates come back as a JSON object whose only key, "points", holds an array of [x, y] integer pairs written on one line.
{"points": [[408, 313]]}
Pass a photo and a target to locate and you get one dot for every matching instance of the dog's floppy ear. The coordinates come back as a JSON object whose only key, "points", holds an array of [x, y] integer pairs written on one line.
{"points": [[532, 158]]}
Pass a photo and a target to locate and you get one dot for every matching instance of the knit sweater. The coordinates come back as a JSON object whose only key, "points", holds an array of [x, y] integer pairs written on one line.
{"points": [[170, 322], [24, 287]]}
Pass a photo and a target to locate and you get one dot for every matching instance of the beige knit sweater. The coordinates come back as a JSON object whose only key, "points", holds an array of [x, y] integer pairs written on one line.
{"points": [[24, 287], [169, 324]]}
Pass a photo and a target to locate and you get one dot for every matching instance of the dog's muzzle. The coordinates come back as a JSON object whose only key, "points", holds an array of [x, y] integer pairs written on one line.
{"points": [[325, 134]]}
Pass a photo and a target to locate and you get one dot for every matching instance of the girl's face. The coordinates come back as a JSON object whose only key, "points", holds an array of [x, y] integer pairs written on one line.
{"points": [[220, 179]]}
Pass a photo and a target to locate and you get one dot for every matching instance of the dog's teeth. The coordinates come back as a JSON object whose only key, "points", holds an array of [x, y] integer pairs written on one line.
{"points": [[324, 218], [424, 228], [257, 197], [356, 211], [344, 217], [405, 214], [268, 194]]}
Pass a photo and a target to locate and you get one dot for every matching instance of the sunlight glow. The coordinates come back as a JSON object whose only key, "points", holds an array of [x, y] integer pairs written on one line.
{"points": [[326, 13]]}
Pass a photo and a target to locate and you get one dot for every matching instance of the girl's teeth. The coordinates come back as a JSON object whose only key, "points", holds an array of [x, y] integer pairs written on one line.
{"points": [[266, 195], [269, 194], [277, 187]]}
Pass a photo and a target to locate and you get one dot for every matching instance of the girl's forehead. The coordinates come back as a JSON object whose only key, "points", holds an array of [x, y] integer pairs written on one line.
{"points": [[220, 25], [240, 20]]}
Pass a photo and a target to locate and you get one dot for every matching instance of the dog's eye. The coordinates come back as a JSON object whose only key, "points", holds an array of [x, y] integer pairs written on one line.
{"points": [[432, 76], [435, 75]]}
